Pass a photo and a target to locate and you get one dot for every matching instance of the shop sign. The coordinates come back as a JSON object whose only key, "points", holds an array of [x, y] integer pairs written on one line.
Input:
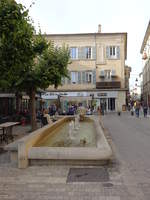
{"points": [[102, 94], [110, 94]]}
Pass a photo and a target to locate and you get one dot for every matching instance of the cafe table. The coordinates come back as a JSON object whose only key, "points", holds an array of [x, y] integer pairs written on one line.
{"points": [[7, 128]]}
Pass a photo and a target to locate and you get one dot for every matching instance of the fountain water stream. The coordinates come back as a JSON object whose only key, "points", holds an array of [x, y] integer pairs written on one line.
{"points": [[74, 128], [71, 130]]}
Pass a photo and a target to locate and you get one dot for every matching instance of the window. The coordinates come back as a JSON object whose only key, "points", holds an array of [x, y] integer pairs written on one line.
{"points": [[74, 77], [108, 74], [88, 52], [113, 52], [74, 52], [89, 77]]}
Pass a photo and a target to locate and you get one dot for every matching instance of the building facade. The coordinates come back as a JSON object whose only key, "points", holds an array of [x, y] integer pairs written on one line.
{"points": [[127, 77], [145, 51], [97, 70]]}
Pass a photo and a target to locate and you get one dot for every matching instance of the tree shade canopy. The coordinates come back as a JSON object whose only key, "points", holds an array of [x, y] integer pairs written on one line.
{"points": [[16, 48], [27, 61]]}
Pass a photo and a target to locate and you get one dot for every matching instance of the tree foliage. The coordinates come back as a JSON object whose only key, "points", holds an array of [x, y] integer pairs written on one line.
{"points": [[27, 60], [52, 65], [16, 48]]}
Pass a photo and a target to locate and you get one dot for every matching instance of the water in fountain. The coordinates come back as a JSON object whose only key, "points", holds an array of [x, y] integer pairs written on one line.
{"points": [[71, 130], [76, 123]]}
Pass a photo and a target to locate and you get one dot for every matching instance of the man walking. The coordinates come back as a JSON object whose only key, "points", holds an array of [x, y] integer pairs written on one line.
{"points": [[145, 110], [137, 108]]}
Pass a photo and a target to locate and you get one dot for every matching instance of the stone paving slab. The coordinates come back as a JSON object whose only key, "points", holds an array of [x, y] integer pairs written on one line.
{"points": [[88, 175], [50, 182]]}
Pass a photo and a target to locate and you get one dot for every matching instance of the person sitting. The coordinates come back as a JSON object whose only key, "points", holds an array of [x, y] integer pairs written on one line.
{"points": [[88, 111], [82, 112], [46, 118]]}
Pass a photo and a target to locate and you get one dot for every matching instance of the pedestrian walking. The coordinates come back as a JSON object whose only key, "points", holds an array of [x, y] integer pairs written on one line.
{"points": [[137, 108], [145, 108]]}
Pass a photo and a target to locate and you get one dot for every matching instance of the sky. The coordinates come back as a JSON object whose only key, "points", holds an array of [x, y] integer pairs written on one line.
{"points": [[83, 16]]}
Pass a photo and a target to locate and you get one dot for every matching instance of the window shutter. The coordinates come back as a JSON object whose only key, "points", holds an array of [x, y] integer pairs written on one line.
{"points": [[93, 52], [107, 52], [69, 80], [85, 52], [81, 53], [86, 77], [63, 81], [94, 76], [79, 77], [83, 77], [118, 52]]}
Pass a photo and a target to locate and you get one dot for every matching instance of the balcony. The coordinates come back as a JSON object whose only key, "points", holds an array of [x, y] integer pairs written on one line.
{"points": [[108, 84]]}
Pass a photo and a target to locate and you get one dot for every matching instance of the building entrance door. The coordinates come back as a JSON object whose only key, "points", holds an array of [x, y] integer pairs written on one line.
{"points": [[106, 104], [111, 104], [103, 105]]}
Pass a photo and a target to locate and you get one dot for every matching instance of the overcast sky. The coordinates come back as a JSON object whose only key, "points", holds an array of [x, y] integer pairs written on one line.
{"points": [[81, 16]]}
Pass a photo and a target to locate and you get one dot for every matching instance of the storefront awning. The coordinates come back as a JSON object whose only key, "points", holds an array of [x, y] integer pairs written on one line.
{"points": [[70, 98]]}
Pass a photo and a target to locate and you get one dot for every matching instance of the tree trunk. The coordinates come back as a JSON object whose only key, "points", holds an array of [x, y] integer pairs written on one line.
{"points": [[18, 102], [33, 110]]}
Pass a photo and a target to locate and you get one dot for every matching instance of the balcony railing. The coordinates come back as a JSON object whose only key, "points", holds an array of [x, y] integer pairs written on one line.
{"points": [[108, 85]]}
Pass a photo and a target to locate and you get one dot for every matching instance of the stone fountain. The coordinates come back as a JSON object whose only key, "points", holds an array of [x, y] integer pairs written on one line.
{"points": [[92, 147]]}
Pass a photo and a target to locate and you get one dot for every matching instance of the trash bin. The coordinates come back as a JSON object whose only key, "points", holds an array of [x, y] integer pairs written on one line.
{"points": [[132, 113]]}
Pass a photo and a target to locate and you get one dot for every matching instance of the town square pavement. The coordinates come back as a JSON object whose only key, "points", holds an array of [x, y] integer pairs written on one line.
{"points": [[129, 170]]}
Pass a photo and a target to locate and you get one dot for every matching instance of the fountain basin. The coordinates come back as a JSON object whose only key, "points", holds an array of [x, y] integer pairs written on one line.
{"points": [[27, 151]]}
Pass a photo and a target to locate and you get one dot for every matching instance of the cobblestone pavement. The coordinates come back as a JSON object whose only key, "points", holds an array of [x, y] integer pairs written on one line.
{"points": [[131, 137], [49, 182]]}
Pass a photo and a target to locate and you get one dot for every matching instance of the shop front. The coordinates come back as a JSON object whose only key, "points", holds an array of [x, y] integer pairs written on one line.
{"points": [[109, 100], [67, 99], [106, 100]]}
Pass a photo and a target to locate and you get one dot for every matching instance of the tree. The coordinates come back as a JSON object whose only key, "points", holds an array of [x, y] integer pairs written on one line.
{"points": [[16, 49], [49, 69], [27, 61]]}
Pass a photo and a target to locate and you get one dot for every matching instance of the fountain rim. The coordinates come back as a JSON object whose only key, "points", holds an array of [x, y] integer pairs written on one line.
{"points": [[25, 150]]}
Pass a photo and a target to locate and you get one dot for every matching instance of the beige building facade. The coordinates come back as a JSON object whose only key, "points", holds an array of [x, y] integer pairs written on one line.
{"points": [[97, 69], [127, 86], [145, 51]]}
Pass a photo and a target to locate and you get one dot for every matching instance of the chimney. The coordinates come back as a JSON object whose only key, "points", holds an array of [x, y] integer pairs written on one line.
{"points": [[99, 28]]}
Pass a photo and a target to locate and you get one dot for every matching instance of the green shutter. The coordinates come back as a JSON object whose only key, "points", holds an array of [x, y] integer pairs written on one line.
{"points": [[81, 53], [118, 52], [83, 77], [86, 77], [94, 76], [79, 77], [69, 80], [107, 52], [93, 52], [63, 81]]}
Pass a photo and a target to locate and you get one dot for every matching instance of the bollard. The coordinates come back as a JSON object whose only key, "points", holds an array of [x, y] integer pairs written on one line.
{"points": [[119, 113]]}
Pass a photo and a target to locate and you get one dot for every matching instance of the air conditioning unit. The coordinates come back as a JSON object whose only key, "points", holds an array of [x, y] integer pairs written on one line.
{"points": [[113, 73], [102, 74]]}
